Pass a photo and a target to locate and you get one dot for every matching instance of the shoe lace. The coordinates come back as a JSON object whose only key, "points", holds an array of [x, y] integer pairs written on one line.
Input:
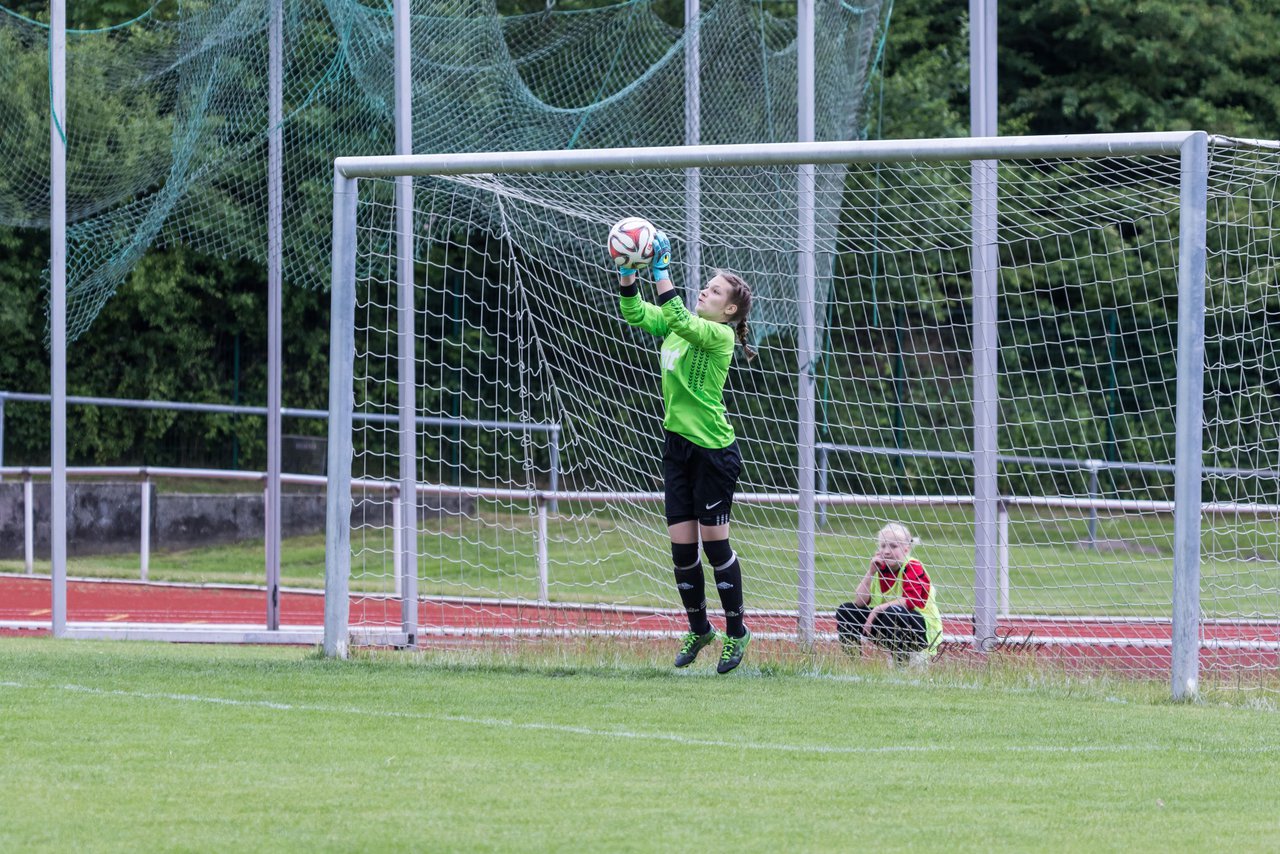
{"points": [[730, 649], [690, 641]]}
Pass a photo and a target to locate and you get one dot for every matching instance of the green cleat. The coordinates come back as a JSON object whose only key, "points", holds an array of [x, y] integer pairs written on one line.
{"points": [[734, 649], [690, 645]]}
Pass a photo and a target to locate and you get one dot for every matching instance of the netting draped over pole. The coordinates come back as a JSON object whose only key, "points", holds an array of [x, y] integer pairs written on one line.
{"points": [[169, 122], [214, 125]]}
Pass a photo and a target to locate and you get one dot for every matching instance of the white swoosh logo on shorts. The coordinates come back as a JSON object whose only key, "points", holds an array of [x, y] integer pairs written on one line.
{"points": [[709, 506]]}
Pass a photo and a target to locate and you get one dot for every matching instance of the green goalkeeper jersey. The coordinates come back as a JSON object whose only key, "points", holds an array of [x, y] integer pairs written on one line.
{"points": [[695, 362]]}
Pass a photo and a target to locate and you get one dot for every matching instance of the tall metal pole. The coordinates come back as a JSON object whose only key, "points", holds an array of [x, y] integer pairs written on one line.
{"points": [[1185, 669], [693, 136], [406, 351], [985, 263], [58, 311], [342, 347], [983, 106], [807, 358], [275, 323]]}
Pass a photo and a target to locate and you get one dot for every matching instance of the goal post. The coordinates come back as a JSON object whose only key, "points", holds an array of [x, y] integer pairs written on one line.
{"points": [[1187, 498], [337, 540], [890, 388]]}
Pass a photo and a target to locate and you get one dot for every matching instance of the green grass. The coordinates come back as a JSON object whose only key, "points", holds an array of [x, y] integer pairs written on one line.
{"points": [[595, 556], [133, 747]]}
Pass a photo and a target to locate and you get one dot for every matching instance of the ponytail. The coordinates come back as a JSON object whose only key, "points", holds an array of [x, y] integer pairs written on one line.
{"points": [[743, 334], [742, 299]]}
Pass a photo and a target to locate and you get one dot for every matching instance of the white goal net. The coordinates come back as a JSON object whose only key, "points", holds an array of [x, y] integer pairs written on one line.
{"points": [[501, 424]]}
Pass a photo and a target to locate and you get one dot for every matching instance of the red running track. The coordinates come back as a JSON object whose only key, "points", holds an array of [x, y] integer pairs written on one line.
{"points": [[1134, 646]]}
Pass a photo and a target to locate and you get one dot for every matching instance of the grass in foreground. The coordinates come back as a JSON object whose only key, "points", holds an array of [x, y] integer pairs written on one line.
{"points": [[151, 747]]}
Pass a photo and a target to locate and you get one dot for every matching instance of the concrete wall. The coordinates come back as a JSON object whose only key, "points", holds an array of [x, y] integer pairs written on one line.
{"points": [[106, 518]]}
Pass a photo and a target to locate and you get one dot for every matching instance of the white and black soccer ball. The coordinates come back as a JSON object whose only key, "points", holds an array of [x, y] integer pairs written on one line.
{"points": [[631, 242]]}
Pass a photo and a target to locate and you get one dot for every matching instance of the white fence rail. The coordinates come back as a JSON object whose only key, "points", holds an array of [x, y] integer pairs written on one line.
{"points": [[544, 502]]}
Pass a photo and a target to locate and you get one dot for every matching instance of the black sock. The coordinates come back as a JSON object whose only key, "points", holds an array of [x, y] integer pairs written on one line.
{"points": [[728, 577], [691, 585]]}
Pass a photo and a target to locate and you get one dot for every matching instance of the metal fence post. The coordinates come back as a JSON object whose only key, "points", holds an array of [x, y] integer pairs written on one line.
{"points": [[822, 484], [397, 540], [144, 558], [1002, 549], [28, 523], [1093, 466], [555, 466], [543, 575]]}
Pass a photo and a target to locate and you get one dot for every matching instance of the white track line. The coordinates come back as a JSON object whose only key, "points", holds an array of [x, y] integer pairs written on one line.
{"points": [[500, 723]]}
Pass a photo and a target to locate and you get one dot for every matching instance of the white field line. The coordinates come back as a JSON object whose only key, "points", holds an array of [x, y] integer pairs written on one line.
{"points": [[502, 723]]}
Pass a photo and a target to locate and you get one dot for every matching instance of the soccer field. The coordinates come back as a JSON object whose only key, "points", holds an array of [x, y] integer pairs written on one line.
{"points": [[112, 746]]}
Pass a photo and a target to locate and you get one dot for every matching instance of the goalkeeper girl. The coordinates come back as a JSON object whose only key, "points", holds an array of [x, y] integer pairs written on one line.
{"points": [[700, 455]]}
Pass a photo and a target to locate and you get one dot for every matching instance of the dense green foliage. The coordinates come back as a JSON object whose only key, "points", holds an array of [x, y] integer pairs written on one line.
{"points": [[1071, 66], [191, 327], [184, 327]]}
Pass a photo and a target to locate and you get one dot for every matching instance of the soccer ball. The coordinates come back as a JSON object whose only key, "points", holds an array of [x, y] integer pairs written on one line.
{"points": [[631, 242]]}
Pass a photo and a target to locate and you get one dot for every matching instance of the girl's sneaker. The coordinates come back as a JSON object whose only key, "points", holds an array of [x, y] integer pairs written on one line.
{"points": [[734, 649]]}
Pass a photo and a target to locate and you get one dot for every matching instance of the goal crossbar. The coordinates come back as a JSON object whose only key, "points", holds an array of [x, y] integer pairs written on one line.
{"points": [[768, 154]]}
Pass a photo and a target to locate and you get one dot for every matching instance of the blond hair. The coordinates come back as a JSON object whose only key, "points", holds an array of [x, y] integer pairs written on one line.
{"points": [[895, 532]]}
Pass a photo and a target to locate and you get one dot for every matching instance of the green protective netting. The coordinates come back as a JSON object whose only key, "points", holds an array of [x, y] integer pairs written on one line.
{"points": [[166, 121]]}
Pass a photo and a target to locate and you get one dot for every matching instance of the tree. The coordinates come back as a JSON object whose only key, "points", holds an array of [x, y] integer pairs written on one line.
{"points": [[1070, 66]]}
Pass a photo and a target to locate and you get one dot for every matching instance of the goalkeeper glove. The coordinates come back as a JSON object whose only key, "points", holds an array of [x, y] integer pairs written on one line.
{"points": [[661, 257]]}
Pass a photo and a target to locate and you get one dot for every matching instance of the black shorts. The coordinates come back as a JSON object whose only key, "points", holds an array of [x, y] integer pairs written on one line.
{"points": [[700, 481], [897, 627]]}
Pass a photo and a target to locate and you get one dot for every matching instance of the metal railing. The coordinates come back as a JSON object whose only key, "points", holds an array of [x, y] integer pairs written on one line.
{"points": [[1092, 466], [145, 475], [544, 502], [550, 428], [547, 500]]}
